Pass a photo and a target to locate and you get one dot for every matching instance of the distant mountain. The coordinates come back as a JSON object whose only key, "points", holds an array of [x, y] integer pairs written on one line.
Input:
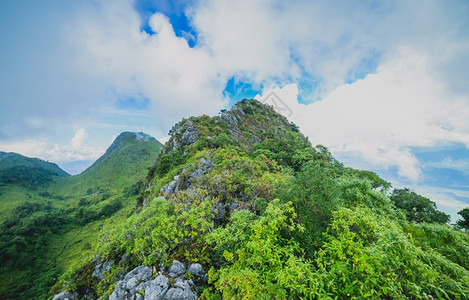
{"points": [[27, 172], [124, 151], [124, 163]]}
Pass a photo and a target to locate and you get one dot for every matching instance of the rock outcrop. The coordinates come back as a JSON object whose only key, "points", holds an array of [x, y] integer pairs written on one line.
{"points": [[66, 296], [101, 268], [140, 284]]}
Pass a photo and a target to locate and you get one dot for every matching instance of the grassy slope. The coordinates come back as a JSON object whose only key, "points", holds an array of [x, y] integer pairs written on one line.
{"points": [[124, 164]]}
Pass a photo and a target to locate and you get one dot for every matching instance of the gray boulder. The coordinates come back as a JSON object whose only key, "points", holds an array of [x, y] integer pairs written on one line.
{"points": [[101, 268], [157, 288], [172, 187], [177, 269], [132, 283], [66, 296], [197, 270], [190, 135], [229, 118], [219, 212], [180, 291]]}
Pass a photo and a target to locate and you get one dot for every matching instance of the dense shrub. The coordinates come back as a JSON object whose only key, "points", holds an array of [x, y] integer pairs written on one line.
{"points": [[370, 256]]}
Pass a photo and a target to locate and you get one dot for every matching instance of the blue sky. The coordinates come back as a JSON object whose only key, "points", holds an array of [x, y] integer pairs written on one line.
{"points": [[382, 84]]}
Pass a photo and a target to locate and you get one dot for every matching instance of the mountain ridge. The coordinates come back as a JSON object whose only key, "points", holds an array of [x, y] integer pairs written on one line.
{"points": [[236, 205], [242, 205]]}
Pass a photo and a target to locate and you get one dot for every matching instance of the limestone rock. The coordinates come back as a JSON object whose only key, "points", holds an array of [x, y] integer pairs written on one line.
{"points": [[177, 269], [66, 296], [157, 288], [180, 291], [101, 268], [127, 287], [197, 270]]}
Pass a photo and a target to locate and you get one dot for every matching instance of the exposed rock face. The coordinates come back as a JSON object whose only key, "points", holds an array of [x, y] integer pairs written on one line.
{"points": [[138, 284], [133, 282], [66, 296], [172, 187], [157, 288], [181, 183], [101, 268], [190, 135], [177, 269], [229, 118]]}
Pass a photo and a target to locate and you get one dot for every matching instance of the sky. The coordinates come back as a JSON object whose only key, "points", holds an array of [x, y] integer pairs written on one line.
{"points": [[382, 84]]}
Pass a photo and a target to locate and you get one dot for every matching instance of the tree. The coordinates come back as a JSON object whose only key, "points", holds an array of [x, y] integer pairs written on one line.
{"points": [[464, 223], [417, 208]]}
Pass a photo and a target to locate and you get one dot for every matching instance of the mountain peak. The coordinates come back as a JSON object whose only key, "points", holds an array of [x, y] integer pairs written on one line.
{"points": [[126, 137], [127, 147]]}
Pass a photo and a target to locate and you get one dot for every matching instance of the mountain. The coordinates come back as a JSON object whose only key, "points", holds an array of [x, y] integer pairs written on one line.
{"points": [[51, 219], [28, 172], [123, 164], [242, 206]]}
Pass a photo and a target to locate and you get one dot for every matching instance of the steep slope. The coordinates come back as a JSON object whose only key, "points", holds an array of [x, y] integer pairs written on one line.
{"points": [[123, 164], [50, 224], [241, 206]]}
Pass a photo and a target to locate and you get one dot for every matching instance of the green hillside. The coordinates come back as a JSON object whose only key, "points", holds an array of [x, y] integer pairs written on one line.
{"points": [[53, 222], [242, 206], [27, 172]]}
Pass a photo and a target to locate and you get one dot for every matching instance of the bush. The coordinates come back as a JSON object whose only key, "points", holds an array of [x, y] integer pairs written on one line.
{"points": [[257, 260], [369, 256]]}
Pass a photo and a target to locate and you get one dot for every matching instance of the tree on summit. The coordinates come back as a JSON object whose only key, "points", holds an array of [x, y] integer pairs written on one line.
{"points": [[417, 208], [464, 223]]}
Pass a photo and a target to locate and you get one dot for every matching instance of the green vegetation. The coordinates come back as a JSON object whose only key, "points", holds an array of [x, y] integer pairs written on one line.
{"points": [[266, 214], [26, 172], [50, 220], [273, 218], [417, 208], [464, 223]]}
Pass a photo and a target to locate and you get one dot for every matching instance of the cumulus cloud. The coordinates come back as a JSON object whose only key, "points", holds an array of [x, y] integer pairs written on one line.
{"points": [[78, 138], [323, 44], [177, 79], [380, 118]]}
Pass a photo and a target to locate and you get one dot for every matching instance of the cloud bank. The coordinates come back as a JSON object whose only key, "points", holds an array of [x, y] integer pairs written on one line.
{"points": [[383, 116]]}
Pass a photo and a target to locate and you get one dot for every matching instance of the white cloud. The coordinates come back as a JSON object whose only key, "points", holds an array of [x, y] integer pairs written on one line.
{"points": [[381, 117], [323, 42], [78, 138], [178, 80], [448, 162]]}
